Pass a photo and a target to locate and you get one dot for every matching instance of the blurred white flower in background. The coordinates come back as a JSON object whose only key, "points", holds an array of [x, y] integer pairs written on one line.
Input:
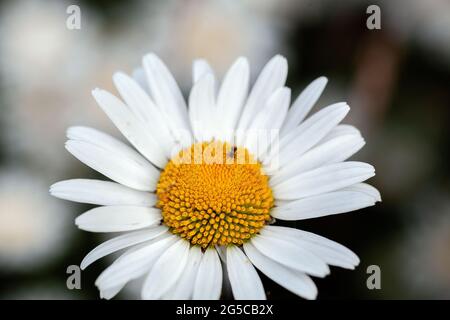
{"points": [[218, 31], [47, 74], [37, 47], [33, 227]]}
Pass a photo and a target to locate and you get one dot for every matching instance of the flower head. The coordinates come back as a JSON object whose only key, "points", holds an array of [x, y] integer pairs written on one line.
{"points": [[201, 194]]}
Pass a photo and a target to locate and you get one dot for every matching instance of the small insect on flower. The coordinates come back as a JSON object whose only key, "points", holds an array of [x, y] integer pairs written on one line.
{"points": [[199, 191]]}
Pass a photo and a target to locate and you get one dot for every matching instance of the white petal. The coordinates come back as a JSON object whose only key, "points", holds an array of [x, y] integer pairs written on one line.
{"points": [[109, 293], [226, 285], [118, 243], [258, 135], [324, 179], [141, 79], [118, 218], [304, 103], [134, 263], [340, 201], [130, 126], [231, 97], [329, 251], [275, 110], [208, 282], [295, 281], [202, 109], [332, 151], [116, 165], [104, 141], [365, 188], [183, 288], [200, 67], [166, 93], [290, 255], [319, 240], [245, 281], [341, 130], [166, 270], [105, 193], [145, 109], [222, 251], [310, 132], [272, 77]]}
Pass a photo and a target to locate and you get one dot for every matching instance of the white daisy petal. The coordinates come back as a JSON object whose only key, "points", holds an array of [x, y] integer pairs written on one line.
{"points": [[344, 200], [141, 79], [340, 130], [208, 282], [202, 109], [226, 285], [109, 293], [166, 270], [200, 67], [310, 132], [329, 251], [365, 188], [231, 97], [290, 255], [166, 92], [184, 287], [126, 240], [105, 193], [324, 179], [115, 165], [130, 126], [335, 150], [134, 263], [222, 251], [245, 281], [295, 281], [118, 218], [271, 118], [304, 103], [322, 241], [275, 109], [144, 108], [272, 77], [105, 141]]}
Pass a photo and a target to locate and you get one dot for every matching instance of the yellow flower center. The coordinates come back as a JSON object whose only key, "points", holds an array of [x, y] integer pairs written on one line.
{"points": [[213, 193]]}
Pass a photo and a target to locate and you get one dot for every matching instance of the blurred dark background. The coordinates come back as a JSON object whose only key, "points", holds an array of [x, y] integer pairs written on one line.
{"points": [[396, 80]]}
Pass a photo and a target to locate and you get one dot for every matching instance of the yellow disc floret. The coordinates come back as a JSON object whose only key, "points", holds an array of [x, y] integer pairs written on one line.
{"points": [[214, 193]]}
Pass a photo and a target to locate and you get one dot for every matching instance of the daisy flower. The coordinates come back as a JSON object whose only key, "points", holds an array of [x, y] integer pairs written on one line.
{"points": [[198, 197]]}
